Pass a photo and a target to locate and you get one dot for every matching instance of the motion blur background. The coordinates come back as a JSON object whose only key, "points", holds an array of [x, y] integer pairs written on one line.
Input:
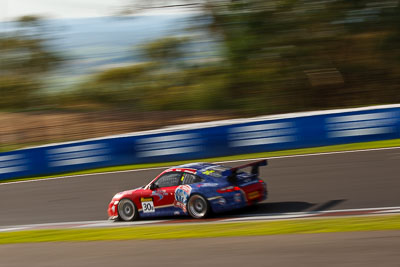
{"points": [[67, 74]]}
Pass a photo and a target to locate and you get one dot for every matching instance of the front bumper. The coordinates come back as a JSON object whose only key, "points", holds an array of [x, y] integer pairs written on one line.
{"points": [[113, 210]]}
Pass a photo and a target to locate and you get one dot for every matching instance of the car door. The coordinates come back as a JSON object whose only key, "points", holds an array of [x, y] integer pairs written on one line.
{"points": [[159, 201]]}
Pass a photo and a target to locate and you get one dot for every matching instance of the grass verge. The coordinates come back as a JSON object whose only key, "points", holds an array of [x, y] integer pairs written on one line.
{"points": [[303, 151], [208, 230]]}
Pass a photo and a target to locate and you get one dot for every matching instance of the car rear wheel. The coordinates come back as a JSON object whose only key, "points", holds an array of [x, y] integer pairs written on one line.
{"points": [[127, 211], [198, 207]]}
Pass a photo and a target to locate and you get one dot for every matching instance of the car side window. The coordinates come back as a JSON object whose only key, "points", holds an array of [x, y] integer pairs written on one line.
{"points": [[189, 178], [169, 179]]}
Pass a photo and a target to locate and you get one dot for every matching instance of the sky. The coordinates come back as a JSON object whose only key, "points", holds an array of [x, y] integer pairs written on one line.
{"points": [[11, 9]]}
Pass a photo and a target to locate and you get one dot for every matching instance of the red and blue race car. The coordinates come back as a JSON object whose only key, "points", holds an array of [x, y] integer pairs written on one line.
{"points": [[194, 189]]}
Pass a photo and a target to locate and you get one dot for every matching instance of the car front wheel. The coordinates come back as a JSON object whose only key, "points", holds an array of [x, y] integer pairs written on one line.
{"points": [[127, 211], [198, 207]]}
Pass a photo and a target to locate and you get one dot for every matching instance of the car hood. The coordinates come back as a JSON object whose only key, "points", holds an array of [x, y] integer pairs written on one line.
{"points": [[127, 192]]}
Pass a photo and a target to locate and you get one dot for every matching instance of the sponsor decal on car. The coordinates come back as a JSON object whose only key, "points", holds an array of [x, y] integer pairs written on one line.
{"points": [[237, 197], [182, 194], [253, 195], [207, 185], [221, 201], [147, 204], [159, 193], [208, 172]]}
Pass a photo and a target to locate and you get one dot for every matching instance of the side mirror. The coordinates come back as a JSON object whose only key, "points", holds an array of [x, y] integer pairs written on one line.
{"points": [[153, 186]]}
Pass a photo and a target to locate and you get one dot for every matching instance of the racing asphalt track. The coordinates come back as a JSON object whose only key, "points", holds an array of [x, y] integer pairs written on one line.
{"points": [[365, 179], [301, 183]]}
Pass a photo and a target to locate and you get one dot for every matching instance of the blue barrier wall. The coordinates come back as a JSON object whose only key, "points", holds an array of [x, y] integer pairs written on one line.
{"points": [[290, 131]]}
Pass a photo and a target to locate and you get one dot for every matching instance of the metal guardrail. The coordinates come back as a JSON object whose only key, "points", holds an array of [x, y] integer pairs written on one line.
{"points": [[203, 140]]}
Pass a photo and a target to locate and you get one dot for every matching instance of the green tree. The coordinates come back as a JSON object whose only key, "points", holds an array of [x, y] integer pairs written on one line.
{"points": [[167, 50], [291, 55], [295, 55], [24, 59], [168, 81], [16, 92]]}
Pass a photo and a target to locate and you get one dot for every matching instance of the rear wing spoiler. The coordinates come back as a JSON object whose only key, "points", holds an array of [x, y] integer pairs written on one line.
{"points": [[255, 166]]}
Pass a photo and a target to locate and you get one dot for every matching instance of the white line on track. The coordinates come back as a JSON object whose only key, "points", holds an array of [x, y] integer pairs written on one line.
{"points": [[380, 209], [228, 161], [117, 224], [12, 229], [391, 211], [253, 217], [293, 215]]}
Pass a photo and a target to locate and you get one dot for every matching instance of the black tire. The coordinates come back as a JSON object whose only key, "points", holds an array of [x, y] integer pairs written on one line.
{"points": [[127, 211], [198, 207]]}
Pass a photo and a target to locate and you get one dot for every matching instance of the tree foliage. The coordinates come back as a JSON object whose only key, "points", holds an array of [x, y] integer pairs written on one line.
{"points": [[165, 50], [17, 92], [296, 55], [24, 58], [275, 56]]}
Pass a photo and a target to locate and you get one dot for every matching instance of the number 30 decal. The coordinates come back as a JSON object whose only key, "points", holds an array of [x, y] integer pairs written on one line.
{"points": [[147, 205]]}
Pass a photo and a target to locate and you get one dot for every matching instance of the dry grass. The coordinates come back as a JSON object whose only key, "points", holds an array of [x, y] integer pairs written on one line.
{"points": [[34, 128]]}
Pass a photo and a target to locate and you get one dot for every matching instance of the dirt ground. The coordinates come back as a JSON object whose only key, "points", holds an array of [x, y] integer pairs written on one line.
{"points": [[34, 128]]}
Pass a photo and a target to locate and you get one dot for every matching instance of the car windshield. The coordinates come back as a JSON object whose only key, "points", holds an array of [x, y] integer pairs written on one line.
{"points": [[215, 171]]}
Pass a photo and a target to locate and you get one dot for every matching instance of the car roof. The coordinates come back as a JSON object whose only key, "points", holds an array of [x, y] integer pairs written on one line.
{"points": [[196, 165]]}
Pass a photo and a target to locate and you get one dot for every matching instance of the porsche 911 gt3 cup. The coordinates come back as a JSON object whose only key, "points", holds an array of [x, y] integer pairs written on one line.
{"points": [[194, 189]]}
